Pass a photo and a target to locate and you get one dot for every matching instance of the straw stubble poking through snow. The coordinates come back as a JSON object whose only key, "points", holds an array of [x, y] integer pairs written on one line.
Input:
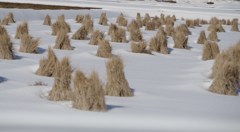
{"points": [[22, 29], [96, 37], [88, 92], [47, 20], [62, 79], [118, 35], [159, 42], [235, 25], [29, 44], [9, 18], [6, 49], [62, 41], [80, 34], [48, 65], [226, 72], [103, 19], [117, 85], [202, 37], [171, 92], [180, 40], [88, 23], [60, 25], [139, 47], [104, 49], [210, 50], [121, 20]]}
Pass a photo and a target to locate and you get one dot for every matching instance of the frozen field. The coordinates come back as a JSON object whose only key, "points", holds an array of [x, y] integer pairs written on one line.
{"points": [[170, 91]]}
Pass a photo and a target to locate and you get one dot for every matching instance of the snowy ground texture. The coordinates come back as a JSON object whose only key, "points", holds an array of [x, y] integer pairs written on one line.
{"points": [[170, 91]]}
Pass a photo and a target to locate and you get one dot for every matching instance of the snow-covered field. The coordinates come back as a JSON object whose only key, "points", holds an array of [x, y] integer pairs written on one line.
{"points": [[170, 91]]}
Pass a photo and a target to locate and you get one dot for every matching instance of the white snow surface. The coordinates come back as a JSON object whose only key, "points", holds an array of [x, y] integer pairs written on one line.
{"points": [[170, 91]]}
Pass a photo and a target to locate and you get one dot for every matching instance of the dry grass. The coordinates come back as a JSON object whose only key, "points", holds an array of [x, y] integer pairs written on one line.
{"points": [[136, 35], [202, 37], [28, 44], [87, 16], [169, 30], [21, 30], [103, 19], [62, 79], [118, 35], [223, 21], [79, 18], [159, 43], [139, 47], [163, 46], [81, 86], [183, 28], [169, 21], [62, 41], [230, 55], [138, 16], [234, 53], [88, 92], [157, 22], [95, 37], [39, 83], [210, 50], [220, 28], [226, 72], [212, 28], [121, 21], [104, 49], [88, 23], [117, 85], [47, 65], [161, 32], [139, 20], [154, 45], [190, 23], [219, 61], [216, 28], [4, 22], [9, 18], [150, 25], [120, 18], [203, 22], [215, 25], [162, 19], [47, 20], [112, 27], [80, 34], [228, 22], [213, 36], [227, 80], [235, 25], [60, 25], [133, 25], [207, 51], [215, 49], [146, 19], [174, 17], [214, 21], [196, 22], [180, 40], [6, 49]]}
